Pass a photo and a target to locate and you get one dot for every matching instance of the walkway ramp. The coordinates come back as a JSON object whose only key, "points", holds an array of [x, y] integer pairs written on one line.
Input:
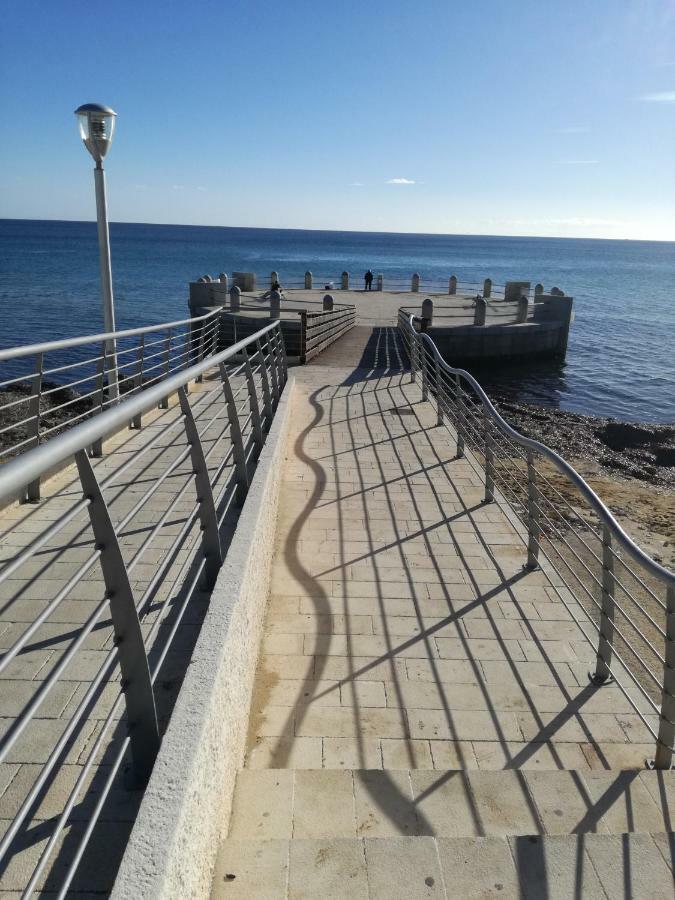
{"points": [[423, 724]]}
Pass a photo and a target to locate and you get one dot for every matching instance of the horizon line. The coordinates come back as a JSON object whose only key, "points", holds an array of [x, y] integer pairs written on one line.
{"points": [[542, 237]]}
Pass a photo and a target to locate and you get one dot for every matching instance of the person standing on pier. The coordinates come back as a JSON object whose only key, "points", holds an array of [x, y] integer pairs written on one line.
{"points": [[369, 280]]}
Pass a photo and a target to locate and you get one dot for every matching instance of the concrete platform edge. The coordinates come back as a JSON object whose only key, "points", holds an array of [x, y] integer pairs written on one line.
{"points": [[173, 846]]}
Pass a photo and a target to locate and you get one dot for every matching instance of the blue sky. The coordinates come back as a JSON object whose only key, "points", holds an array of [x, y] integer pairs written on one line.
{"points": [[548, 117]]}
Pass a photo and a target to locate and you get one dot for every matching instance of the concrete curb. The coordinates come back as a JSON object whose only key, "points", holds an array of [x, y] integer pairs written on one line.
{"points": [[173, 845]]}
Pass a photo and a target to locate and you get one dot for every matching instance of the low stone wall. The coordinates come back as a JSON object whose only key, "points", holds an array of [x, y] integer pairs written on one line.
{"points": [[185, 809], [530, 339]]}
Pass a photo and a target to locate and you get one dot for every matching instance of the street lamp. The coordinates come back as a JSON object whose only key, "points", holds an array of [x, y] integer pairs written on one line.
{"points": [[97, 124]]}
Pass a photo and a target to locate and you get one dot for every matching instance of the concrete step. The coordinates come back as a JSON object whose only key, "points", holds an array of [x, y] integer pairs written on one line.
{"points": [[516, 868], [332, 804]]}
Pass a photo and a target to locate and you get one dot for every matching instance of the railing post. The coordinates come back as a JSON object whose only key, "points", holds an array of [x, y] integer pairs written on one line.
{"points": [[428, 313], [303, 337], [439, 391], [380, 282], [164, 403], [328, 303], [211, 547], [267, 397], [274, 276], [235, 299], [412, 348], [603, 663], [663, 758], [200, 350], [138, 377], [278, 358], [256, 420], [459, 425], [238, 452], [34, 409], [344, 281], [308, 281], [136, 682], [489, 460], [533, 515], [487, 287], [452, 284], [272, 370], [97, 446], [415, 285], [422, 351]]}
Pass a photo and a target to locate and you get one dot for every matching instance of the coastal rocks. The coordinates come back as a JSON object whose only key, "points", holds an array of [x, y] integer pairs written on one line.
{"points": [[643, 451]]}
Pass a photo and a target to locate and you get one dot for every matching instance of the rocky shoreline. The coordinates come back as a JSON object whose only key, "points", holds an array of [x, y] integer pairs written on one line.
{"points": [[630, 466], [643, 451]]}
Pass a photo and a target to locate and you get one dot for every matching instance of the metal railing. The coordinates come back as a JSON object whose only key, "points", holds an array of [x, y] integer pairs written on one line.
{"points": [[321, 329], [625, 598], [54, 385], [131, 543]]}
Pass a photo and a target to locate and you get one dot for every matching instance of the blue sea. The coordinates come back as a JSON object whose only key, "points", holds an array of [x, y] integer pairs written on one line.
{"points": [[621, 355]]}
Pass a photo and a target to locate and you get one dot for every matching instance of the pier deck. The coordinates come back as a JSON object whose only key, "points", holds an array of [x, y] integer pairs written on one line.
{"points": [[422, 723]]}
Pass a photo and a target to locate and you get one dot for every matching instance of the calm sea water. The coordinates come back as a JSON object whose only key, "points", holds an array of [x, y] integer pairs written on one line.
{"points": [[621, 356]]}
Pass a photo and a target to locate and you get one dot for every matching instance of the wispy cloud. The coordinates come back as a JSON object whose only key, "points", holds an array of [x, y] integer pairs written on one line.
{"points": [[659, 97], [576, 162], [400, 181], [356, 184], [573, 129]]}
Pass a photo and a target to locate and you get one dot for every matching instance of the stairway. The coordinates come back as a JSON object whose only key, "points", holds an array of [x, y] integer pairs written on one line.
{"points": [[321, 833]]}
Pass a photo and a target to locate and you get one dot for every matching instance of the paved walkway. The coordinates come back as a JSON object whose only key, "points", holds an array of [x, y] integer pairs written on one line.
{"points": [[423, 724]]}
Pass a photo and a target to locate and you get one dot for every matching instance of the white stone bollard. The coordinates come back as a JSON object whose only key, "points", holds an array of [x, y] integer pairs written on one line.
{"points": [[222, 278], [538, 289], [452, 284], [487, 287], [481, 311], [235, 299], [274, 276], [428, 312], [275, 304], [344, 281], [522, 310], [380, 282], [308, 281], [415, 286], [328, 303]]}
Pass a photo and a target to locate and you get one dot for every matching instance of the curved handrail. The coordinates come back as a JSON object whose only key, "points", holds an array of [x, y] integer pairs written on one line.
{"points": [[31, 349], [31, 465], [604, 513]]}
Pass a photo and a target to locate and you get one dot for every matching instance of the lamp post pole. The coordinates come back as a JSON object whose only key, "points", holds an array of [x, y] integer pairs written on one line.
{"points": [[96, 130], [106, 279]]}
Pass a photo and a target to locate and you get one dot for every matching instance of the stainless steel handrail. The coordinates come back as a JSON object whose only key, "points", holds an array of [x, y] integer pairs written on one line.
{"points": [[427, 362], [67, 343], [201, 459]]}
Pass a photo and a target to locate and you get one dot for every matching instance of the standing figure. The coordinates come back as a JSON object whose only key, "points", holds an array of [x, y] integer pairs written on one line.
{"points": [[369, 280]]}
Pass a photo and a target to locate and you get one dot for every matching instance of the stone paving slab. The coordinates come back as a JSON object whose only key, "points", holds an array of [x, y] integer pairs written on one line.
{"points": [[588, 867], [400, 610]]}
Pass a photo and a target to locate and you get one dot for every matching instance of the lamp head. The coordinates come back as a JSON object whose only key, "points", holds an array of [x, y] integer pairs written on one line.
{"points": [[97, 124]]}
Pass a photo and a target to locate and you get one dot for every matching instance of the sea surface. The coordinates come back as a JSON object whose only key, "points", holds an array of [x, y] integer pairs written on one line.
{"points": [[621, 355]]}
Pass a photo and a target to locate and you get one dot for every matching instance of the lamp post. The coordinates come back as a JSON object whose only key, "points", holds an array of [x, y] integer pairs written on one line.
{"points": [[97, 124]]}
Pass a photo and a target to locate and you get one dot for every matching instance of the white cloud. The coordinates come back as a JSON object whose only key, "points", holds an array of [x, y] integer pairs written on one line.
{"points": [[576, 162], [659, 97], [356, 184], [400, 181]]}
